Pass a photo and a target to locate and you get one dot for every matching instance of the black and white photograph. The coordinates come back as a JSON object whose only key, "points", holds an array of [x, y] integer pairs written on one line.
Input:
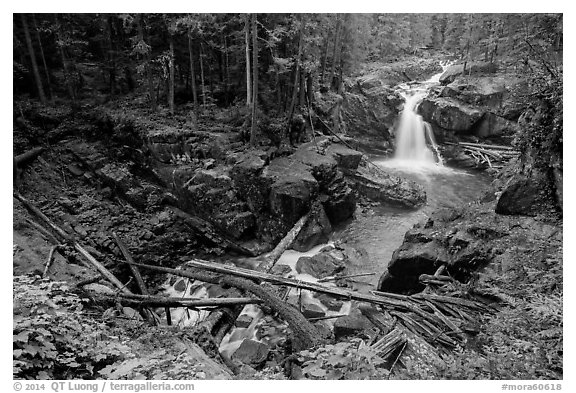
{"points": [[286, 196]]}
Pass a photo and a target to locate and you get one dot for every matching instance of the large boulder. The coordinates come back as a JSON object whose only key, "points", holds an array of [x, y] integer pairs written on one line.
{"points": [[346, 158], [450, 237], [480, 91], [278, 194], [491, 125], [252, 353], [526, 196], [386, 189], [339, 200], [449, 114], [316, 230], [321, 265], [369, 114], [473, 68], [351, 325], [292, 188]]}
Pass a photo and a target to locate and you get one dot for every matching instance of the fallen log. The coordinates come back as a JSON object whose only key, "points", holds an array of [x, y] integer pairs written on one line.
{"points": [[49, 260], [416, 348], [482, 152], [271, 259], [383, 300], [388, 344], [46, 233], [486, 146], [134, 269], [92, 262], [160, 301], [27, 157], [337, 277], [217, 323]]}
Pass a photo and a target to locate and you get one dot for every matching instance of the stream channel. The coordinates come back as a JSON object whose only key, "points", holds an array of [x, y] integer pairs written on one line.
{"points": [[374, 233]]}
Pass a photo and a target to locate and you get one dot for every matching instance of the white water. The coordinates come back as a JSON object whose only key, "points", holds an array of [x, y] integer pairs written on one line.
{"points": [[232, 340], [415, 143]]}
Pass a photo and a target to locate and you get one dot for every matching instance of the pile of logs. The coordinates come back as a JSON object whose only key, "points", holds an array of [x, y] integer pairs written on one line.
{"points": [[494, 156], [432, 319]]}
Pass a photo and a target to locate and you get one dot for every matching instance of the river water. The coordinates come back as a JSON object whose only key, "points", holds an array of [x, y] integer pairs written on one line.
{"points": [[375, 232]]}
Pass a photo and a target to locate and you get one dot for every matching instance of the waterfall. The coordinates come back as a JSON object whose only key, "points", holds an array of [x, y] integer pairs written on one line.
{"points": [[415, 143]]}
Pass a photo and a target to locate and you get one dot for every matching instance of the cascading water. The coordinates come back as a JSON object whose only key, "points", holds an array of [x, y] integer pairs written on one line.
{"points": [[415, 143]]}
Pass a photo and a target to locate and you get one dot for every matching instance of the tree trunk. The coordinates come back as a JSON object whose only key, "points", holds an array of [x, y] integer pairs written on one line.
{"points": [[46, 71], [254, 81], [202, 74], [324, 57], [297, 73], [302, 101], [33, 60], [227, 71], [192, 73], [147, 66], [248, 73], [65, 64], [111, 59], [171, 82], [309, 88], [335, 53]]}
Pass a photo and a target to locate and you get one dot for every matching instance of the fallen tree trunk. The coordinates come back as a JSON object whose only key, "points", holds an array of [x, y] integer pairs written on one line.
{"points": [[306, 335], [134, 269], [27, 157], [91, 261], [160, 301], [271, 259], [486, 146], [49, 260]]}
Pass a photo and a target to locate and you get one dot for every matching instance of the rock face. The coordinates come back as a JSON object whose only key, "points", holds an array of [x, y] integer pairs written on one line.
{"points": [[280, 193], [449, 114], [369, 110], [316, 230], [210, 194], [386, 189], [471, 69], [481, 105], [171, 144], [369, 105], [526, 196], [449, 237], [464, 240]]}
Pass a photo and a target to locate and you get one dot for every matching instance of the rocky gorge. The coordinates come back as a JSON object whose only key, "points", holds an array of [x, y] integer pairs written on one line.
{"points": [[197, 191]]}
